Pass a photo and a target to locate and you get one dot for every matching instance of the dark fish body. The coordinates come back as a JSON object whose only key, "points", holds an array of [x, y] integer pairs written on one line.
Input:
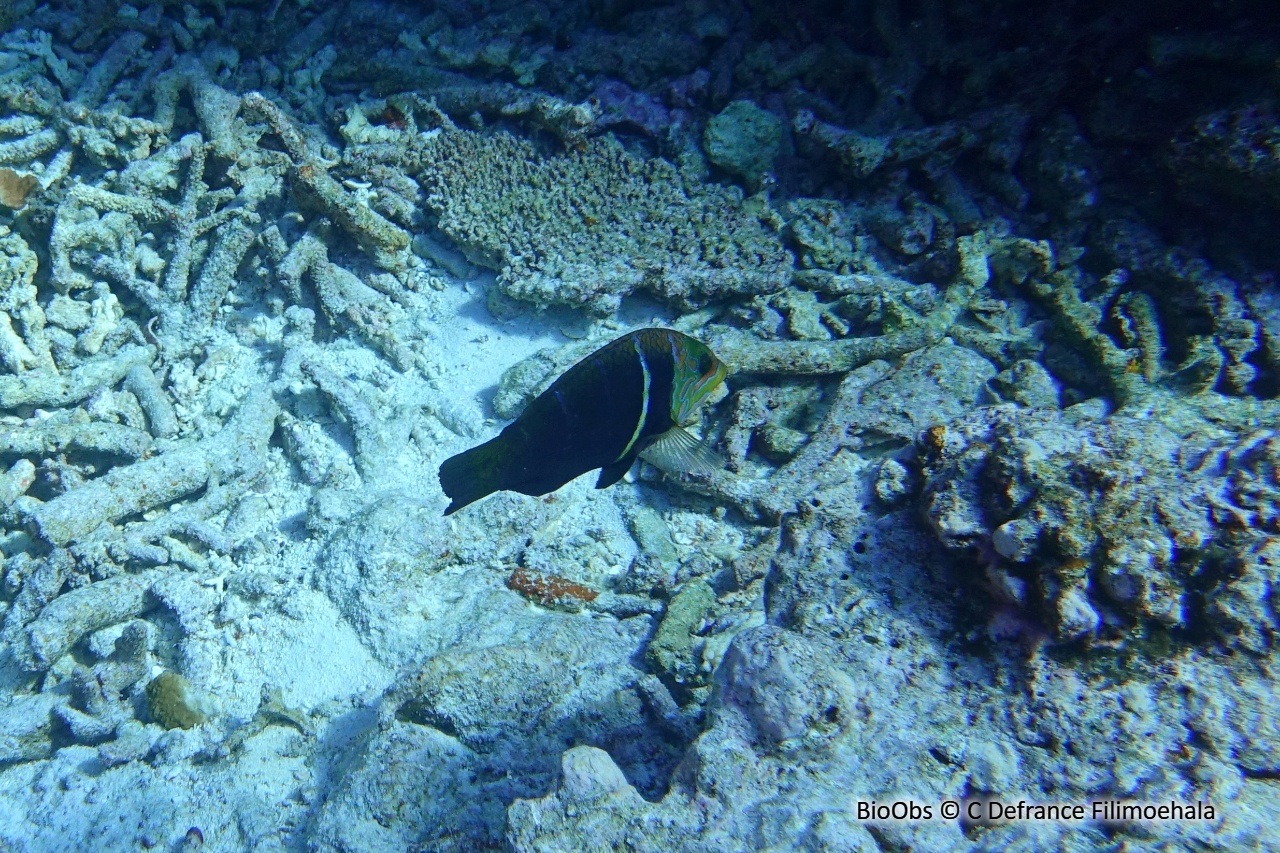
{"points": [[628, 397]]}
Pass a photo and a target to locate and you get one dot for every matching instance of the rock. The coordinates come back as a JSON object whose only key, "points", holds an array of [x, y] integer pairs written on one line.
{"points": [[744, 139]]}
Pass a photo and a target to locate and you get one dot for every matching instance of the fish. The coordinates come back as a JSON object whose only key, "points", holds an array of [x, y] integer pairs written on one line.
{"points": [[630, 398]]}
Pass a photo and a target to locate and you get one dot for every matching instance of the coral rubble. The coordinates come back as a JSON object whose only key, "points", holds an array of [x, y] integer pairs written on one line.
{"points": [[999, 515]]}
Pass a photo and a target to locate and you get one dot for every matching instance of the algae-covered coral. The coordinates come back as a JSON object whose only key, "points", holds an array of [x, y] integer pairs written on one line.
{"points": [[591, 227], [998, 515]]}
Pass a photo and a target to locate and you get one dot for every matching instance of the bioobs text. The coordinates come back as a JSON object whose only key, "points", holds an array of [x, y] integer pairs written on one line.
{"points": [[896, 810]]}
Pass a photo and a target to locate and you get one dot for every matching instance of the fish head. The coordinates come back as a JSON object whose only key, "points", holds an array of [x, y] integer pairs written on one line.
{"points": [[698, 375]]}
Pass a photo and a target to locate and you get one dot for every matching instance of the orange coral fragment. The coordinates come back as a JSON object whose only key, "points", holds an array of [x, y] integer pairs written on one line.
{"points": [[14, 188], [550, 590]]}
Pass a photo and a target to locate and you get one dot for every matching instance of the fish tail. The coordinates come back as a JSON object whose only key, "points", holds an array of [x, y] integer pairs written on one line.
{"points": [[474, 474]]}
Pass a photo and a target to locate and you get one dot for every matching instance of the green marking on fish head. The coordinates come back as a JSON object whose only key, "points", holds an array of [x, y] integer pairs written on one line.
{"points": [[697, 374]]}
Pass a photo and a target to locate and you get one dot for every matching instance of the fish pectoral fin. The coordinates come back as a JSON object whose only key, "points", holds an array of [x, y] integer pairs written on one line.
{"points": [[676, 451], [614, 471]]}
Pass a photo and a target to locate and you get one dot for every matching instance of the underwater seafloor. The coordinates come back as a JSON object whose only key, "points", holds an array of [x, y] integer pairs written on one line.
{"points": [[999, 514]]}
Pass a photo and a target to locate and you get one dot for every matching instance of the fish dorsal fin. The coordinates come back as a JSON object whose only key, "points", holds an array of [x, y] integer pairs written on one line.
{"points": [[678, 452]]}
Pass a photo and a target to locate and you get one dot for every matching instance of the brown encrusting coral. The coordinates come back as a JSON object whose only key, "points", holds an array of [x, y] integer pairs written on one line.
{"points": [[550, 590], [15, 188]]}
